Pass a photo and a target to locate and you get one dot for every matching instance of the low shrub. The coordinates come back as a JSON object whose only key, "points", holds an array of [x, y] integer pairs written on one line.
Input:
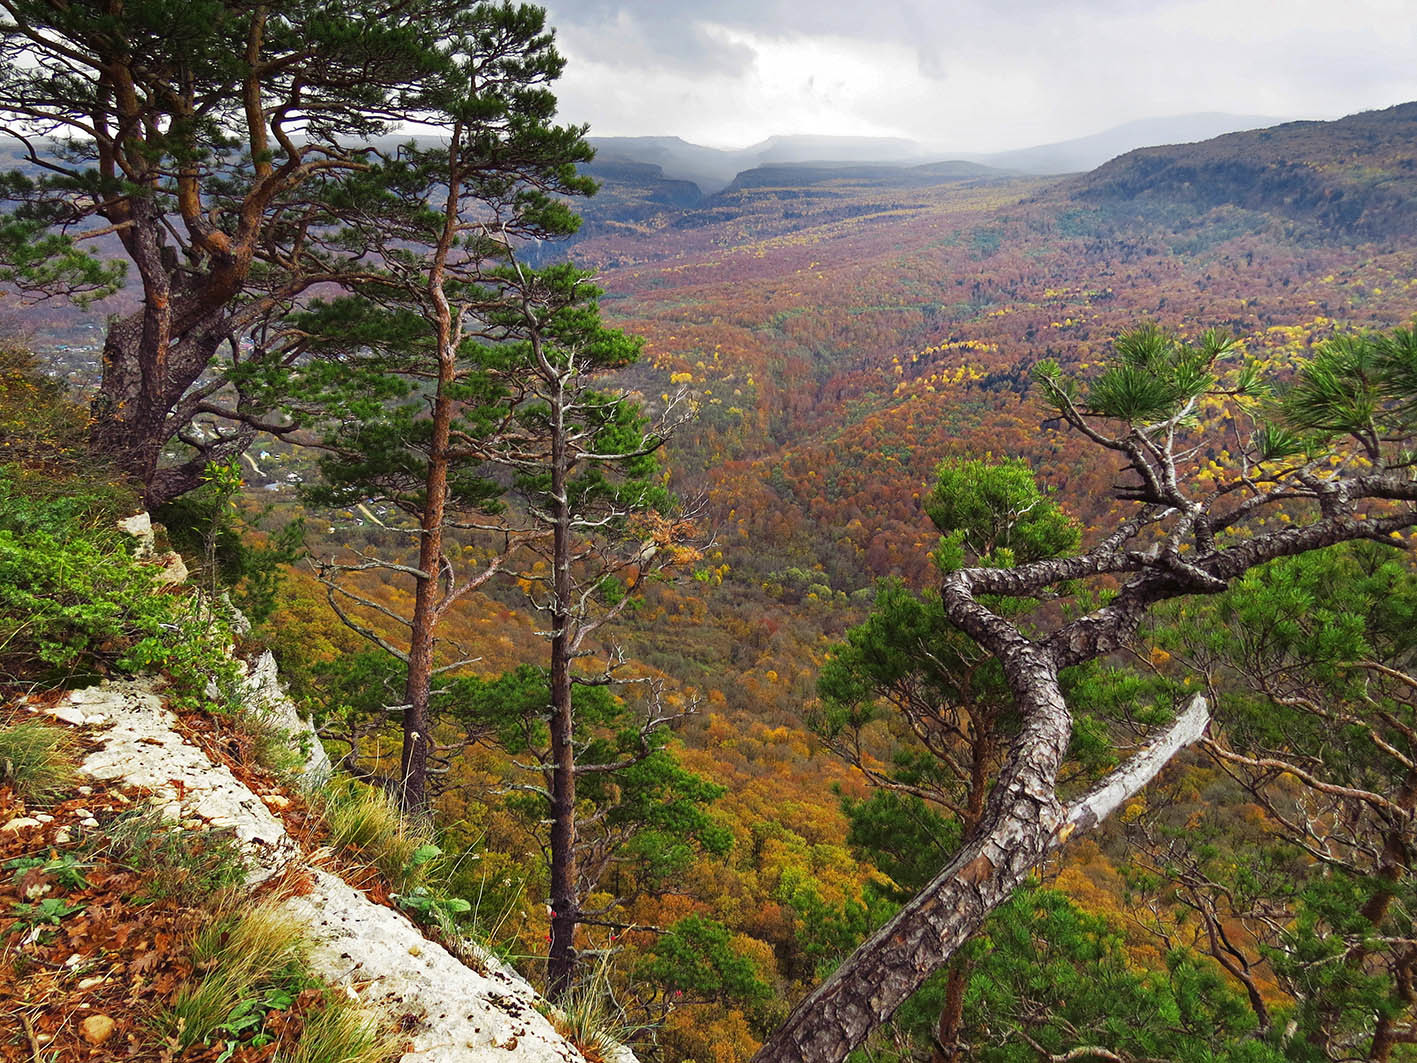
{"points": [[182, 866], [75, 605]]}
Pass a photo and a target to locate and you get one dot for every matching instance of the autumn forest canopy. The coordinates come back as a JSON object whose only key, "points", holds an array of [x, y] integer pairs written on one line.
{"points": [[879, 611]]}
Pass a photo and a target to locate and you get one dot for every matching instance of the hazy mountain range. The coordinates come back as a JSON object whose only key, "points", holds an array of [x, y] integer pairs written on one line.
{"points": [[713, 169]]}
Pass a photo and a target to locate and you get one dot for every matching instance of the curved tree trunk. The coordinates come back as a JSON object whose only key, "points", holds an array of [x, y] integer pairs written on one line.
{"points": [[1018, 828], [1023, 822]]}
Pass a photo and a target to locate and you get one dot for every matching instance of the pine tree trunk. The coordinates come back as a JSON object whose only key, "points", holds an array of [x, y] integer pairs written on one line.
{"points": [[417, 738], [947, 1048], [565, 905], [1015, 833], [153, 356], [413, 761]]}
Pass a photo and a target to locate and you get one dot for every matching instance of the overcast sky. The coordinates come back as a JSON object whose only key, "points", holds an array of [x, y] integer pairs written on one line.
{"points": [[971, 75]]}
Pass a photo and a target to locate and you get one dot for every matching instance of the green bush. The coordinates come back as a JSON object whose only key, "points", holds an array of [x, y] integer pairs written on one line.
{"points": [[75, 605]]}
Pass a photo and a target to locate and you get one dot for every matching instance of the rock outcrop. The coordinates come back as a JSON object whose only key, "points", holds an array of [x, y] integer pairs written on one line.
{"points": [[453, 1013]]}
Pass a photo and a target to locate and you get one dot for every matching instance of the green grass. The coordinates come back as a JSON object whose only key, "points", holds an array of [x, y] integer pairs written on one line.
{"points": [[238, 953], [272, 746], [181, 866], [588, 1016], [250, 962], [366, 823], [341, 1032], [37, 759], [249, 942]]}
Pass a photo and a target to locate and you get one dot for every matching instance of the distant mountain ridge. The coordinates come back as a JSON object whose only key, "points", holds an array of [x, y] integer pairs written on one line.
{"points": [[1356, 175], [713, 169], [1089, 152]]}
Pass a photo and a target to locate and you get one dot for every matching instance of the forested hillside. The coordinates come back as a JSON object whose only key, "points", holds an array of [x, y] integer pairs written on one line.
{"points": [[842, 335], [870, 536]]}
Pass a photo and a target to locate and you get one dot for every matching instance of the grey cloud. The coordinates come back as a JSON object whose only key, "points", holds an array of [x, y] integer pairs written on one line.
{"points": [[659, 34]]}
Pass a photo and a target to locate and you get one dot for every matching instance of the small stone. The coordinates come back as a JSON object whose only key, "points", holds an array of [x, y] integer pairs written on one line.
{"points": [[44, 817], [74, 960], [20, 823], [97, 1029], [277, 801], [174, 569], [414, 950], [85, 790], [90, 822], [89, 983], [68, 715], [63, 836]]}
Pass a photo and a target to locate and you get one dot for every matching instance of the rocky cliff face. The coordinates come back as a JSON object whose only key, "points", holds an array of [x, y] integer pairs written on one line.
{"points": [[455, 1010]]}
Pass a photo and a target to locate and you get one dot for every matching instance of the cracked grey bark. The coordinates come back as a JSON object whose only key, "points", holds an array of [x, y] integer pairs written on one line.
{"points": [[1185, 538]]}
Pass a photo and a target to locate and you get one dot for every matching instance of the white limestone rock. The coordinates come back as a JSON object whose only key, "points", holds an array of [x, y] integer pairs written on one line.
{"points": [[261, 692], [142, 748], [140, 527], [174, 569], [458, 1014], [464, 1016]]}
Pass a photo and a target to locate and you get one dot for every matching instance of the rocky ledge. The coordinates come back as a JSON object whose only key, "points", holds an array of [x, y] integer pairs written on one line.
{"points": [[453, 1011]]}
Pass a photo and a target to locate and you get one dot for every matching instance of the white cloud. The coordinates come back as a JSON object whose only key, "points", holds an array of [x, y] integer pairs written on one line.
{"points": [[971, 74]]}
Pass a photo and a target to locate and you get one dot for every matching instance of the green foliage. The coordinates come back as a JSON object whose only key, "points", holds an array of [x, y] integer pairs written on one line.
{"points": [[49, 911], [206, 527], [995, 511], [902, 836], [695, 960], [34, 258], [826, 931], [1046, 971], [651, 811], [37, 759], [1359, 385], [1153, 376], [74, 603], [1298, 651]]}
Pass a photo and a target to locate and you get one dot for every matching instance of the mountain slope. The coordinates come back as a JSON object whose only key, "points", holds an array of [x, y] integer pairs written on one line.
{"points": [[1086, 153], [1356, 176]]}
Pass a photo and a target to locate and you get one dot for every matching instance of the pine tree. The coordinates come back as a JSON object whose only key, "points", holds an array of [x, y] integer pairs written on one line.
{"points": [[222, 145], [410, 382], [1333, 457]]}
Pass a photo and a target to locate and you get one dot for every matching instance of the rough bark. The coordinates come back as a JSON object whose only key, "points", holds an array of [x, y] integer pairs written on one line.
{"points": [[1019, 824], [417, 740], [1022, 823], [565, 902]]}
